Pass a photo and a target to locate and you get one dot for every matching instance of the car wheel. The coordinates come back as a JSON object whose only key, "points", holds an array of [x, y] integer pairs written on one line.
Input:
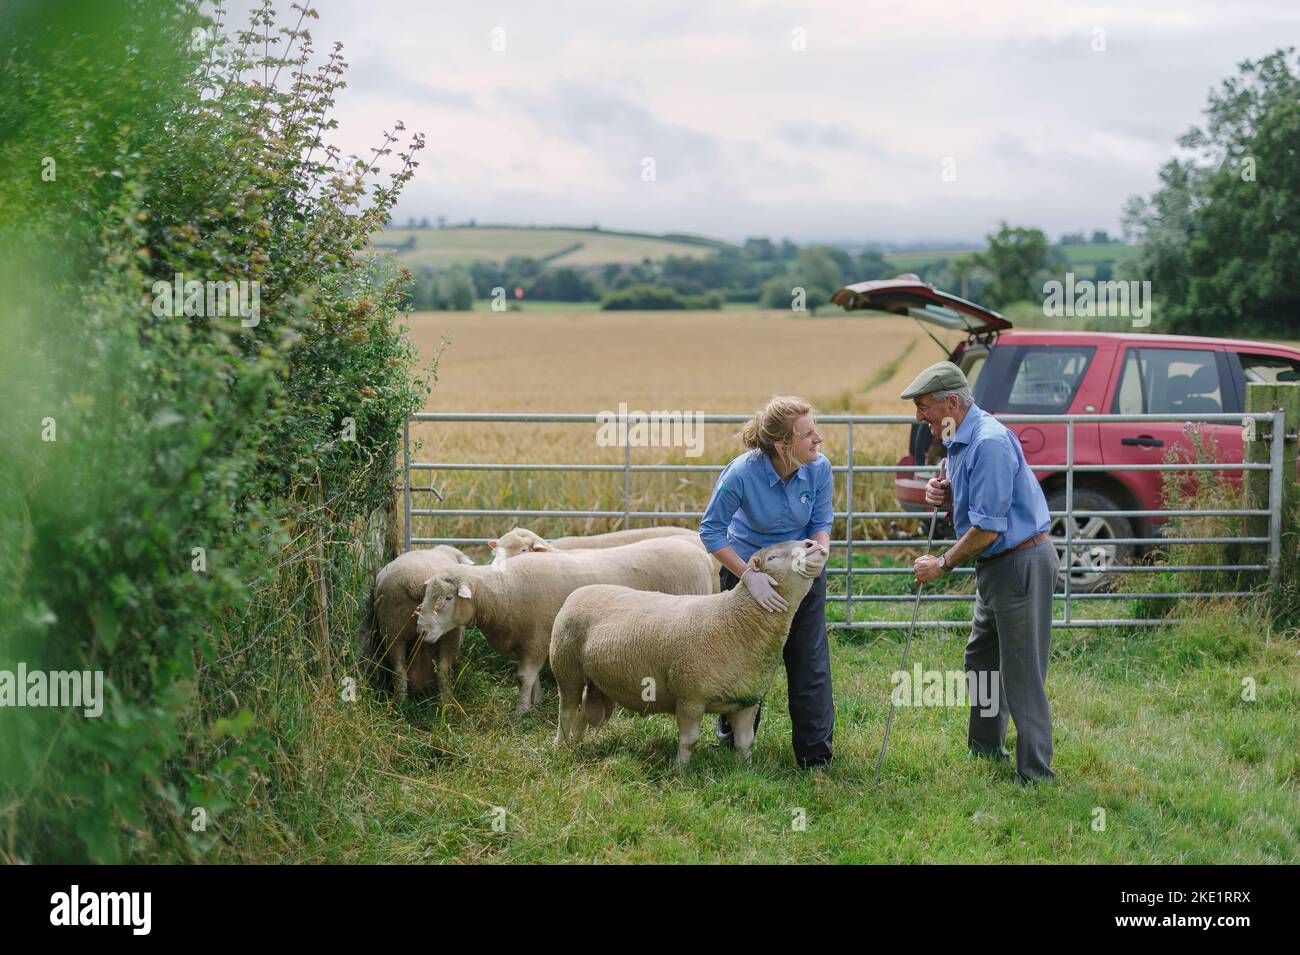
{"points": [[1091, 564]]}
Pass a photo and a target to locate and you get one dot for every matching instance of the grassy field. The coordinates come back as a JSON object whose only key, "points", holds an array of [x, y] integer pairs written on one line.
{"points": [[1082, 257], [1150, 731], [1159, 758], [445, 247]]}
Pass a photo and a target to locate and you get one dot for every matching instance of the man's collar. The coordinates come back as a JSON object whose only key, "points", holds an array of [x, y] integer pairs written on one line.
{"points": [[967, 426]]}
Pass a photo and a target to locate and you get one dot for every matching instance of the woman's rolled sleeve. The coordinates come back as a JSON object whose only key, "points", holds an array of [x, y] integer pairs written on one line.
{"points": [[823, 515], [717, 516]]}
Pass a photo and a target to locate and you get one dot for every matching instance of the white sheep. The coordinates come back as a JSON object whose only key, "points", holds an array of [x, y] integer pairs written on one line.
{"points": [[654, 653], [521, 540], [514, 605], [388, 625]]}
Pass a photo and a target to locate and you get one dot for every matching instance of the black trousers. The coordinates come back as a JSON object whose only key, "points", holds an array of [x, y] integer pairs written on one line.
{"points": [[808, 673]]}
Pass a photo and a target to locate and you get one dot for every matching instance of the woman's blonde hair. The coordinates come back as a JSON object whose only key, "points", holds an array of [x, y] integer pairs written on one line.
{"points": [[773, 426]]}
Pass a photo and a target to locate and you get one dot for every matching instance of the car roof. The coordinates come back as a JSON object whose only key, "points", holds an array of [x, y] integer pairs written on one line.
{"points": [[1026, 336]]}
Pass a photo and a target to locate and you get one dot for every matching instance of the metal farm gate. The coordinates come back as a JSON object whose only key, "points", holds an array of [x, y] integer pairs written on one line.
{"points": [[1267, 424]]}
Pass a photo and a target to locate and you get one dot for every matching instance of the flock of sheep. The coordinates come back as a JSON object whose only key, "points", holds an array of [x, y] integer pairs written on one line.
{"points": [[631, 618]]}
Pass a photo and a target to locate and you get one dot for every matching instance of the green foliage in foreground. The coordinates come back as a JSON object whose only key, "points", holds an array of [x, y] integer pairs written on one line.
{"points": [[184, 486]]}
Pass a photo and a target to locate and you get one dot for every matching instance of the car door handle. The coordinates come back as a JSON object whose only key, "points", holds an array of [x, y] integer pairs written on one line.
{"points": [[1143, 441]]}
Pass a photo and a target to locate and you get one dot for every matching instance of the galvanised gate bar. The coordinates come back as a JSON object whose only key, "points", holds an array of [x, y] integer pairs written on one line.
{"points": [[631, 518]]}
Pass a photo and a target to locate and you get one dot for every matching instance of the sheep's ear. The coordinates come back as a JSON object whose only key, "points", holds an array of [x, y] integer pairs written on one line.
{"points": [[466, 559], [756, 562], [543, 547], [464, 591], [492, 545]]}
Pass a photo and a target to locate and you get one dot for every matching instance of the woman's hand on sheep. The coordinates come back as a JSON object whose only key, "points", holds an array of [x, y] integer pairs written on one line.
{"points": [[763, 588]]}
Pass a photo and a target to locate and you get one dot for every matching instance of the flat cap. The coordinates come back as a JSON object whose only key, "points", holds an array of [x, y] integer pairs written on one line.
{"points": [[943, 376]]}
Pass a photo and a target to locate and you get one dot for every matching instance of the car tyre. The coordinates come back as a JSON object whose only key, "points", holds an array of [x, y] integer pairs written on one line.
{"points": [[1091, 565]]}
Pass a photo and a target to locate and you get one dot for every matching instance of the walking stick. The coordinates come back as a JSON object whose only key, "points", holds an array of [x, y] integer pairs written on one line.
{"points": [[916, 608]]}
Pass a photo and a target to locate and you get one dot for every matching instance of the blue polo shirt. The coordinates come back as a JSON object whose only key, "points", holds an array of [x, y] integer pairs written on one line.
{"points": [[992, 486], [751, 508]]}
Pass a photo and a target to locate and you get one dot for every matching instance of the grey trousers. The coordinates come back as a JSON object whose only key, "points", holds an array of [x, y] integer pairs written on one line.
{"points": [[1010, 639]]}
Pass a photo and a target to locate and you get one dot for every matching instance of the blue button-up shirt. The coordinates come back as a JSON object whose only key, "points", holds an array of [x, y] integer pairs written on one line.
{"points": [[992, 486], [751, 508]]}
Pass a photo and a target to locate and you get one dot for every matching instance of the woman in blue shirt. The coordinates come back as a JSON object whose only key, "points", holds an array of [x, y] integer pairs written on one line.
{"points": [[779, 490]]}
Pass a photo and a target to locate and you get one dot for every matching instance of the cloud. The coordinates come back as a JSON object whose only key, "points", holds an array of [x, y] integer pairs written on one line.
{"points": [[751, 136]]}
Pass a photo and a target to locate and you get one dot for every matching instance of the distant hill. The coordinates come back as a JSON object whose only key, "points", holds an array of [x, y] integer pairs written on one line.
{"points": [[555, 246], [563, 246], [1081, 256]]}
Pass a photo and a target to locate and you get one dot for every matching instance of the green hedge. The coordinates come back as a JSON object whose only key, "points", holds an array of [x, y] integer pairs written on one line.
{"points": [[182, 496]]}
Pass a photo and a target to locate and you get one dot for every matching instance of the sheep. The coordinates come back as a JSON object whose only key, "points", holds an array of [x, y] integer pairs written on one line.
{"points": [[520, 540], [388, 626], [514, 605], [654, 653]]}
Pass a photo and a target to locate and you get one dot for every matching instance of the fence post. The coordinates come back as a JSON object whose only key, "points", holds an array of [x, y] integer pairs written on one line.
{"points": [[1263, 487], [848, 531], [406, 478]]}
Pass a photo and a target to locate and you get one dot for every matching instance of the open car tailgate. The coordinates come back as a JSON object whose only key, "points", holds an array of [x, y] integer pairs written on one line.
{"points": [[908, 295]]}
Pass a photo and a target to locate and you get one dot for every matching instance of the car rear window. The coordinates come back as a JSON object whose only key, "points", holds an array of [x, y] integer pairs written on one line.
{"points": [[1268, 368], [1032, 379]]}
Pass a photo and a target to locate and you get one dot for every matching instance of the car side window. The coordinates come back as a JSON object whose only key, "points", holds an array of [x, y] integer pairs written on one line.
{"points": [[1169, 381], [1128, 400], [1268, 369]]}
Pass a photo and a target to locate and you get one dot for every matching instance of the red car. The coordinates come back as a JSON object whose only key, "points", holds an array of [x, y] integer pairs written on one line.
{"points": [[1079, 373]]}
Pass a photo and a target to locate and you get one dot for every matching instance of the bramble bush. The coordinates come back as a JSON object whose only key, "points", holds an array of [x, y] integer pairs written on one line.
{"points": [[185, 499]]}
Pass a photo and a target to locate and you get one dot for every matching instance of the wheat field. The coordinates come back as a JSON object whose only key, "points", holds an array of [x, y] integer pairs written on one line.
{"points": [[587, 362]]}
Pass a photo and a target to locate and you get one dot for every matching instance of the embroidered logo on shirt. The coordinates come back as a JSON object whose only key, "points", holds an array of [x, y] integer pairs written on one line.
{"points": [[805, 498]]}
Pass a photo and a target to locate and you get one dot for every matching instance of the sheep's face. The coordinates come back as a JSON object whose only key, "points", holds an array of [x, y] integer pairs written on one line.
{"points": [[518, 541], [448, 603], [789, 557]]}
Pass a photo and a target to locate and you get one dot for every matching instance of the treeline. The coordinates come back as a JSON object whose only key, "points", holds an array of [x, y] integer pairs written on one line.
{"points": [[761, 271], [1220, 241]]}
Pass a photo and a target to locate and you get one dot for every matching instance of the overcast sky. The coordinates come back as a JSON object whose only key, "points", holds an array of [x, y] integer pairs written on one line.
{"points": [[846, 139]]}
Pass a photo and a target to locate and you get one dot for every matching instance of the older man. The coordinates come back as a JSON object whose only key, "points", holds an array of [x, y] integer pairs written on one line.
{"points": [[1001, 518]]}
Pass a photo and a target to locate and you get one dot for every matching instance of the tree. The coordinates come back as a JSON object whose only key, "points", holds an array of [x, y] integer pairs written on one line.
{"points": [[1219, 241], [871, 265], [1015, 256], [843, 263], [1100, 237], [456, 289], [818, 269]]}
